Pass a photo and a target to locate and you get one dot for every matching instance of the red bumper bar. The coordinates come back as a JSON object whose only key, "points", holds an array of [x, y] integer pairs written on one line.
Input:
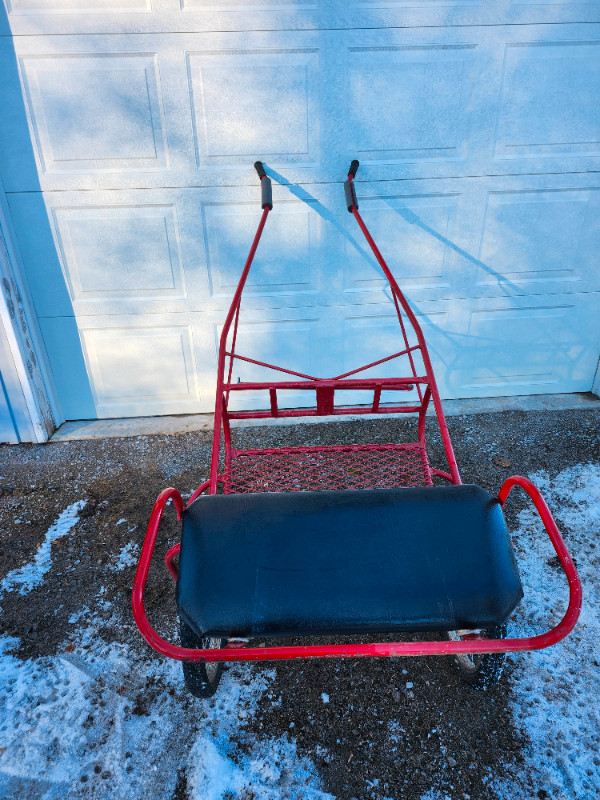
{"points": [[472, 644]]}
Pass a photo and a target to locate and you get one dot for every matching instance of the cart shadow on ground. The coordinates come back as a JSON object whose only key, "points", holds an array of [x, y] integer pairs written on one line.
{"points": [[88, 711]]}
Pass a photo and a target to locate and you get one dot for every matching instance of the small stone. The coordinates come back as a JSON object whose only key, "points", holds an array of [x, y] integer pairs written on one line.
{"points": [[452, 762], [70, 647], [325, 697], [409, 685], [500, 461], [396, 696]]}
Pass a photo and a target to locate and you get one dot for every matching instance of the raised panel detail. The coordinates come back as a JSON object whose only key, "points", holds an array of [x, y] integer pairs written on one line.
{"points": [[285, 261], [410, 102], [95, 113], [415, 232], [535, 236], [519, 350], [140, 364], [248, 105], [120, 252], [549, 102]]}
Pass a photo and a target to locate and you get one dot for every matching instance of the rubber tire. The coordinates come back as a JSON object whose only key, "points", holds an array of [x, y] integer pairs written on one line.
{"points": [[486, 668], [201, 679]]}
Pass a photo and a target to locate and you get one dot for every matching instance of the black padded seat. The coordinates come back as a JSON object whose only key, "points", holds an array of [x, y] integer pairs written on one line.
{"points": [[370, 561]]}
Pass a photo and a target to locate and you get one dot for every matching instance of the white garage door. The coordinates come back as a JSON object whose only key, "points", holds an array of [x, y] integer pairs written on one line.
{"points": [[127, 156]]}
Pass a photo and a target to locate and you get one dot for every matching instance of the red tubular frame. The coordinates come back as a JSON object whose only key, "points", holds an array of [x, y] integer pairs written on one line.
{"points": [[325, 389], [471, 644], [399, 299]]}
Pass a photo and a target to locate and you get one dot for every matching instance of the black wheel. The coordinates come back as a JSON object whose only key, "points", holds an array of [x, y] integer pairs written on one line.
{"points": [[201, 678], [481, 670]]}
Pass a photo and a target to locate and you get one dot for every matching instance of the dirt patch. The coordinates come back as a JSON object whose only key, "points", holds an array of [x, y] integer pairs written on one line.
{"points": [[374, 728]]}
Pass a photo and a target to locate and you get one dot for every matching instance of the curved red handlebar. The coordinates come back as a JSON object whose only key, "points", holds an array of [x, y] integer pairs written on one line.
{"points": [[571, 616], [139, 583]]}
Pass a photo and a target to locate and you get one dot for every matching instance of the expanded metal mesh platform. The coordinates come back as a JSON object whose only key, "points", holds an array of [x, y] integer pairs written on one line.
{"points": [[301, 469]]}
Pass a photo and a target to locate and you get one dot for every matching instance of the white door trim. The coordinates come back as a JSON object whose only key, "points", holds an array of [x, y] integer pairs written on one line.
{"points": [[21, 357]]}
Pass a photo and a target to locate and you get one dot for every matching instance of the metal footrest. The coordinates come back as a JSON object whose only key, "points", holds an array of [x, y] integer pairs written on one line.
{"points": [[301, 469]]}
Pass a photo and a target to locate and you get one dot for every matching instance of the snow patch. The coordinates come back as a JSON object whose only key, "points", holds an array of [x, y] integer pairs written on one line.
{"points": [[32, 574], [270, 771], [127, 557], [104, 721], [555, 691]]}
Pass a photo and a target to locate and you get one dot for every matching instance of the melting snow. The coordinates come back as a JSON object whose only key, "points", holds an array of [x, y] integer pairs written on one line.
{"points": [[105, 721], [102, 722], [32, 574], [128, 556], [555, 691]]}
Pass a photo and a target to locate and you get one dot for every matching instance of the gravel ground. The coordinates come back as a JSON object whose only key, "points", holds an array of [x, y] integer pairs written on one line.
{"points": [[363, 728]]}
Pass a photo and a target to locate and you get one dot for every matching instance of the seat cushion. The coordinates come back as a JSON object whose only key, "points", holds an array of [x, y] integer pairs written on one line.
{"points": [[384, 560]]}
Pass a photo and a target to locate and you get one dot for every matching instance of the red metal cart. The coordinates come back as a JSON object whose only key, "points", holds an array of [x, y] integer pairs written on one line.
{"points": [[340, 539]]}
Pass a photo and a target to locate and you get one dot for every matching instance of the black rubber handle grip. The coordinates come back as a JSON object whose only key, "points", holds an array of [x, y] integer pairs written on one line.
{"points": [[353, 168], [351, 202], [265, 185], [267, 193]]}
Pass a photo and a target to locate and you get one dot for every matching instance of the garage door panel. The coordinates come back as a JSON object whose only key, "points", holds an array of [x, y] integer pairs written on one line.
{"points": [[229, 126], [149, 251], [530, 346], [549, 100], [18, 8], [197, 110], [488, 95], [533, 238], [429, 86], [134, 367], [120, 252], [96, 114], [136, 202], [288, 259], [139, 16], [480, 348], [414, 232], [477, 237]]}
